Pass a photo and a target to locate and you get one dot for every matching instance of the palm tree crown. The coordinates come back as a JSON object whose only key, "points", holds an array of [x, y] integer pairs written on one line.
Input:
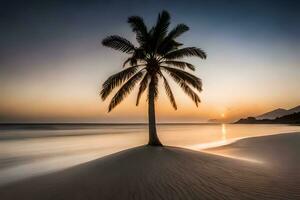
{"points": [[158, 52], [157, 55]]}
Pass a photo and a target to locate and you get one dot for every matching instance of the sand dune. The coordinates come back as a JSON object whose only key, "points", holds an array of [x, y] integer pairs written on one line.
{"points": [[175, 173], [280, 152]]}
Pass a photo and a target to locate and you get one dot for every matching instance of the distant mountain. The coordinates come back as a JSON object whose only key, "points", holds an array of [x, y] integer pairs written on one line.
{"points": [[273, 114], [294, 110], [278, 113], [286, 119]]}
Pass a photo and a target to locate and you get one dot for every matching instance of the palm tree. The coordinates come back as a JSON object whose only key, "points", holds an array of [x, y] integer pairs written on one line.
{"points": [[157, 55]]}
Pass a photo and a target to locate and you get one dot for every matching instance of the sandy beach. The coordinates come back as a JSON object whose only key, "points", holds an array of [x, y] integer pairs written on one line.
{"points": [[264, 167]]}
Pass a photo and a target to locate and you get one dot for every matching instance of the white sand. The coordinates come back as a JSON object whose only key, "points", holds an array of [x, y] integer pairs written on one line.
{"points": [[176, 173], [280, 152]]}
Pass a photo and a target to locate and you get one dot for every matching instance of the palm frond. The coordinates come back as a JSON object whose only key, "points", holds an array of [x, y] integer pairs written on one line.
{"points": [[190, 93], [169, 43], [138, 55], [128, 60], [169, 93], [116, 80], [167, 46], [179, 64], [124, 90], [142, 88], [154, 83], [186, 52], [160, 30], [156, 87], [177, 31], [132, 63], [184, 76], [118, 43], [186, 89], [133, 60], [138, 26]]}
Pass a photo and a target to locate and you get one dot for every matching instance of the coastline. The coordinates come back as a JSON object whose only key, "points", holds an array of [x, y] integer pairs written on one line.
{"points": [[205, 147]]}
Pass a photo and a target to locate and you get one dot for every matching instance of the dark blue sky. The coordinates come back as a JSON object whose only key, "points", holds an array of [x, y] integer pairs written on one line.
{"points": [[44, 25]]}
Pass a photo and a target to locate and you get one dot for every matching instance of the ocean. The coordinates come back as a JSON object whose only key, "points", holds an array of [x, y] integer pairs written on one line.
{"points": [[37, 149]]}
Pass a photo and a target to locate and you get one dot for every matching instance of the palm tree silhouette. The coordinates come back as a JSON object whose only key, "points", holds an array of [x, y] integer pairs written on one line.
{"points": [[157, 55]]}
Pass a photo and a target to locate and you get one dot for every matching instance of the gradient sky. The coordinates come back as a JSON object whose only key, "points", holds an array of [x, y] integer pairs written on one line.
{"points": [[52, 63]]}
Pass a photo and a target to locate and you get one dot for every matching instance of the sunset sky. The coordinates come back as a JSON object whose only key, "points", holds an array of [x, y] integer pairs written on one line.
{"points": [[52, 63]]}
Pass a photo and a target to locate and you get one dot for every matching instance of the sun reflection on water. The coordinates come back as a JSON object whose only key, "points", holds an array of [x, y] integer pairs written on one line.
{"points": [[224, 132]]}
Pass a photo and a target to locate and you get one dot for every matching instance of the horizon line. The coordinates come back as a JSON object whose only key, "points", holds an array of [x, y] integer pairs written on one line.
{"points": [[106, 123]]}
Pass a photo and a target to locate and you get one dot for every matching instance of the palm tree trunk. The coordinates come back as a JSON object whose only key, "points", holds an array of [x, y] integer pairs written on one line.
{"points": [[153, 138]]}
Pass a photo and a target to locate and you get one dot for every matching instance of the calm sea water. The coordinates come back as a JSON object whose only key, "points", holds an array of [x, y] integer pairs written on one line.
{"points": [[30, 150]]}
